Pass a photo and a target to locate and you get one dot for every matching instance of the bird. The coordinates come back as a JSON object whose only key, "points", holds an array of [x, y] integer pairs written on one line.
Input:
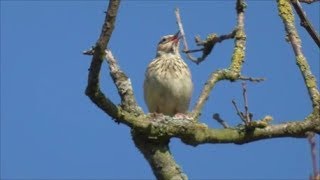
{"points": [[168, 84]]}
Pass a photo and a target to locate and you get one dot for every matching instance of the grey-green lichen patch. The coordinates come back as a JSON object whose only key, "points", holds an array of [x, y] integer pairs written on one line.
{"points": [[237, 59], [285, 11]]}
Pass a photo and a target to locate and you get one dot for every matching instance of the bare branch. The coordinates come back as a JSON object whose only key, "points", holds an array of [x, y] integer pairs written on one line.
{"points": [[246, 106], [207, 44], [194, 133], [217, 117], [239, 112], [244, 78], [119, 78], [304, 22], [309, 1], [158, 154], [185, 44], [89, 52], [286, 13], [233, 72], [93, 89], [313, 147]]}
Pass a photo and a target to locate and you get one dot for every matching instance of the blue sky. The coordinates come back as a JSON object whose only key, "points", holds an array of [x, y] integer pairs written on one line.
{"points": [[50, 129]]}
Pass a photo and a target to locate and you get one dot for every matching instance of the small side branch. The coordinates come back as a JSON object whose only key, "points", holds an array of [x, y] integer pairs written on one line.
{"points": [[313, 147], [183, 36], [239, 113], [304, 22], [244, 78], [217, 117], [207, 44], [246, 106], [247, 117]]}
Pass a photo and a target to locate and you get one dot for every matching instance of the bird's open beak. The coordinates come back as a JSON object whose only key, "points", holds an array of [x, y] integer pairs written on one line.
{"points": [[176, 37]]}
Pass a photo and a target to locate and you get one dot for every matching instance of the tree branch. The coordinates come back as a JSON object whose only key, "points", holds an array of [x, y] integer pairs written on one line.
{"points": [[217, 117], [158, 155], [309, 1], [93, 88], [207, 44], [151, 135], [313, 146], [129, 113], [183, 35], [244, 78], [123, 84], [234, 70], [304, 22], [285, 12], [194, 133]]}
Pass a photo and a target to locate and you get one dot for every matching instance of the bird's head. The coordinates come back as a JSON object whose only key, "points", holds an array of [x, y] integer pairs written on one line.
{"points": [[169, 44]]}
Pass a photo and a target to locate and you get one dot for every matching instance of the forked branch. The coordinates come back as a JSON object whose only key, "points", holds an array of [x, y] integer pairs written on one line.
{"points": [[234, 70], [152, 136], [93, 88]]}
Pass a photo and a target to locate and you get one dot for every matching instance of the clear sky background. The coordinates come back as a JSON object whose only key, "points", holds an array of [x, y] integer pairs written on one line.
{"points": [[51, 130]]}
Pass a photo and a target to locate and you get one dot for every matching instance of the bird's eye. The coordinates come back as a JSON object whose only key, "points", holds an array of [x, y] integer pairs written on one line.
{"points": [[162, 40]]}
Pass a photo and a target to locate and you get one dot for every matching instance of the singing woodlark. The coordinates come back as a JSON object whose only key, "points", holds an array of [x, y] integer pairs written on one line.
{"points": [[168, 85]]}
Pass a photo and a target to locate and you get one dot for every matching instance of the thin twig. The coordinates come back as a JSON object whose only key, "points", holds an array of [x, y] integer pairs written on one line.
{"points": [[192, 51], [313, 147], [244, 78], [89, 52], [240, 114], [217, 117], [304, 22], [245, 99], [183, 36]]}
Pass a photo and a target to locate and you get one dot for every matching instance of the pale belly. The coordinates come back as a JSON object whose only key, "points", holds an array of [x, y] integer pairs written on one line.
{"points": [[168, 94]]}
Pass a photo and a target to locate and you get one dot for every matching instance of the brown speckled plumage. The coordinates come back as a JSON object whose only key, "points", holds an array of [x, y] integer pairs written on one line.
{"points": [[168, 85]]}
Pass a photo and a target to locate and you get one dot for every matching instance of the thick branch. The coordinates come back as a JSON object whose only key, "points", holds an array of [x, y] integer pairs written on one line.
{"points": [[158, 154], [119, 78], [285, 12], [304, 22], [194, 133], [93, 88], [201, 134], [234, 70]]}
